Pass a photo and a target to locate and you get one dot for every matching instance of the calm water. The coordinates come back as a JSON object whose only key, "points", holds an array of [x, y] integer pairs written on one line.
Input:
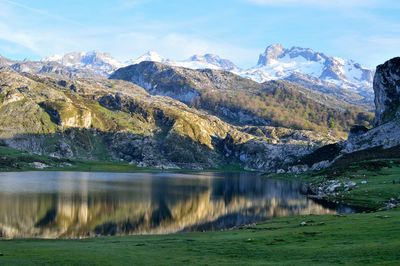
{"points": [[75, 204]]}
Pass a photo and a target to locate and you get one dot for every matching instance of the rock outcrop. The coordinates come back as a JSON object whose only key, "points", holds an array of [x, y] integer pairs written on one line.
{"points": [[387, 91], [387, 101]]}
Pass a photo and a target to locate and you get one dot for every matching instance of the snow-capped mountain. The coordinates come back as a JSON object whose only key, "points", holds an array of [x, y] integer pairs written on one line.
{"points": [[149, 56], [98, 62], [312, 69], [210, 61], [342, 78]]}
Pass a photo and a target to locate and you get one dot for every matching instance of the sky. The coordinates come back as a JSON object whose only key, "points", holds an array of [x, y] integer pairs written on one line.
{"points": [[367, 31]]}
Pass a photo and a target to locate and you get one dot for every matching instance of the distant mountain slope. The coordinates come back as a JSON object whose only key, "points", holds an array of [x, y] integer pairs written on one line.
{"points": [[243, 101], [98, 62], [52, 68], [207, 61]]}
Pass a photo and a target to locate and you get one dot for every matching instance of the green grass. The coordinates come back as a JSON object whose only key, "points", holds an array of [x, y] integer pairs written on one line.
{"points": [[357, 239], [378, 190]]}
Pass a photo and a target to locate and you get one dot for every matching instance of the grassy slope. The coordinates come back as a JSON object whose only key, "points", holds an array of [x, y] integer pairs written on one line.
{"points": [[355, 239], [378, 190], [14, 160]]}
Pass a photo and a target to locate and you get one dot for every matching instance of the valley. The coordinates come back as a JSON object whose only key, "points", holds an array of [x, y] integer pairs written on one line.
{"points": [[150, 132], [163, 127]]}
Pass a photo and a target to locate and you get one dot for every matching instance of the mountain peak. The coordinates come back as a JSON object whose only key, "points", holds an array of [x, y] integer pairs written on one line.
{"points": [[272, 52], [148, 56]]}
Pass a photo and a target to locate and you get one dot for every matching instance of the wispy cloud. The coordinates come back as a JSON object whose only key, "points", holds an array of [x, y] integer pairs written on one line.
{"points": [[21, 38], [41, 12], [319, 3]]}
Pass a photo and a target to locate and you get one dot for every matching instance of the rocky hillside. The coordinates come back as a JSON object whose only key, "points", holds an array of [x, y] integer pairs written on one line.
{"points": [[382, 141], [116, 120], [243, 101]]}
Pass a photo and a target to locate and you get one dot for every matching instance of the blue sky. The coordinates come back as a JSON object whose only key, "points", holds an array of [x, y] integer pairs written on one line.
{"points": [[367, 31]]}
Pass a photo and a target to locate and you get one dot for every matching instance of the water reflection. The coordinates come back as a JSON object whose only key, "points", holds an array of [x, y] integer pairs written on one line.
{"points": [[63, 204]]}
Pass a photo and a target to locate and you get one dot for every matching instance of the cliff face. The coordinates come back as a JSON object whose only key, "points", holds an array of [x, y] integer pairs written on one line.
{"points": [[387, 91]]}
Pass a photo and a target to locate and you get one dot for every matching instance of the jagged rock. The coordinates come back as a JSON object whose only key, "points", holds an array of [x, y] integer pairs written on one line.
{"points": [[320, 165], [349, 185], [39, 165], [333, 186], [298, 169]]}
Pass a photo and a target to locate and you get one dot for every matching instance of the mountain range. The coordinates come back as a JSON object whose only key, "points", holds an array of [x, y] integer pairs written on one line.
{"points": [[200, 112], [343, 79]]}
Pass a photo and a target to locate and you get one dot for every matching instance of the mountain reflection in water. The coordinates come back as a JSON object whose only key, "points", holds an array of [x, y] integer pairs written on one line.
{"points": [[76, 204]]}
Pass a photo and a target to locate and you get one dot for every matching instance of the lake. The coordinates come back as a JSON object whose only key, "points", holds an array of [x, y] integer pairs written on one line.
{"points": [[81, 204]]}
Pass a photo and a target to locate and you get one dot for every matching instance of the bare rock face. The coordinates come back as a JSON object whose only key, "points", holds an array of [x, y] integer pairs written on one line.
{"points": [[387, 91]]}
